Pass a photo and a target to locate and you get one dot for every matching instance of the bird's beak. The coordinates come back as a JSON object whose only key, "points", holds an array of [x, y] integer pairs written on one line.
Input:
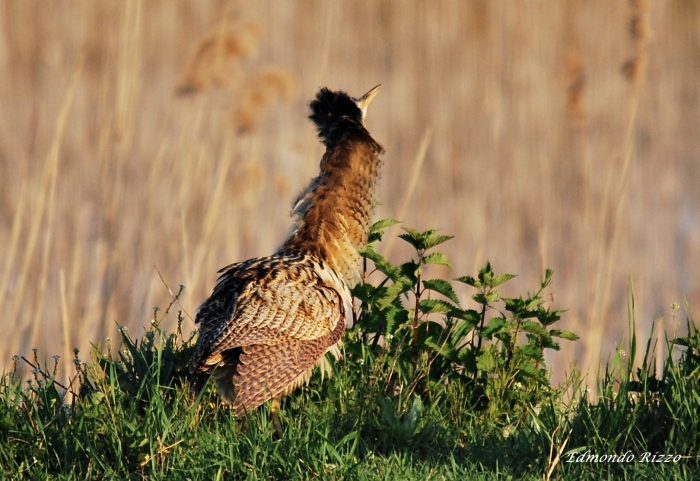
{"points": [[364, 101]]}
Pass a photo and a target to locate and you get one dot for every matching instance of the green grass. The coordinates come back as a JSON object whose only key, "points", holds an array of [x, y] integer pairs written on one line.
{"points": [[433, 392], [133, 418]]}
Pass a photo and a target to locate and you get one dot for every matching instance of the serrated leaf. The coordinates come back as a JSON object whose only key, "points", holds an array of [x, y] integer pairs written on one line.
{"points": [[372, 255], [394, 291], [443, 287], [486, 273], [568, 335], [523, 307], [383, 224], [413, 237], [470, 316], [534, 328], [532, 351], [470, 281], [498, 280], [495, 324], [363, 292], [411, 269], [377, 230], [437, 258], [423, 241], [394, 318], [547, 317], [493, 296], [382, 265], [486, 360], [430, 306], [435, 240], [531, 370]]}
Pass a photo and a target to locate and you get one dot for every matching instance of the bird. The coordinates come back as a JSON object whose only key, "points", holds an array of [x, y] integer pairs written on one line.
{"points": [[270, 320]]}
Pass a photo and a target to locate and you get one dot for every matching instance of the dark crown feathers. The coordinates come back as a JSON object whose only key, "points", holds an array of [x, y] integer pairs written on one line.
{"points": [[335, 114]]}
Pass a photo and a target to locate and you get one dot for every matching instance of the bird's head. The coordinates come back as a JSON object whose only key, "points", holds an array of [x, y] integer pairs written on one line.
{"points": [[335, 113]]}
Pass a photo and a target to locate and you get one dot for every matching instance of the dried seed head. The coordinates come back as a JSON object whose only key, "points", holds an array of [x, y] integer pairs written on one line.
{"points": [[260, 92], [576, 87], [633, 68], [214, 60], [638, 28]]}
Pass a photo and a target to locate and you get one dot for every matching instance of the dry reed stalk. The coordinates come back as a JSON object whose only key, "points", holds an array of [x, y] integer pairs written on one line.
{"points": [[11, 252], [129, 57], [212, 211], [48, 184], [321, 73], [65, 324], [408, 193], [659, 346], [185, 257], [111, 257], [615, 199]]}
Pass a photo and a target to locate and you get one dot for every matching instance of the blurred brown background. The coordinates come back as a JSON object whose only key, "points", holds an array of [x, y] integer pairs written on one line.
{"points": [[136, 134]]}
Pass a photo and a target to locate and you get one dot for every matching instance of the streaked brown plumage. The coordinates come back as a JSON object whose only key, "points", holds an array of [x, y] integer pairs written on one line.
{"points": [[271, 319]]}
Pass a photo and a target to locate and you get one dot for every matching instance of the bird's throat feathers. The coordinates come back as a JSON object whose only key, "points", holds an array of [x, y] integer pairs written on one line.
{"points": [[334, 212]]}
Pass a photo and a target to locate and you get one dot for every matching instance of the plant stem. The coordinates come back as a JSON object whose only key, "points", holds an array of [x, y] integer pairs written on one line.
{"points": [[481, 325], [418, 293]]}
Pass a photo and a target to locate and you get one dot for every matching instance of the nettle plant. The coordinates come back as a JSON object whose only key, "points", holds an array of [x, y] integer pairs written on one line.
{"points": [[419, 329]]}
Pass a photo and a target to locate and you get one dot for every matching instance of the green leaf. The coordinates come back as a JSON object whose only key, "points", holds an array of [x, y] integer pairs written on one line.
{"points": [[411, 269], [469, 315], [363, 292], [523, 307], [498, 280], [382, 224], [461, 329], [395, 290], [443, 287], [430, 306], [486, 360], [435, 240], [413, 237], [467, 358], [412, 416], [377, 230], [470, 281], [568, 335], [437, 343], [547, 317], [547, 278], [437, 258], [394, 317], [486, 273], [534, 328], [422, 241], [532, 351], [495, 324], [387, 268]]}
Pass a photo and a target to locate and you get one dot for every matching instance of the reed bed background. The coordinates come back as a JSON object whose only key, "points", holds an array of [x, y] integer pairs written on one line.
{"points": [[141, 139]]}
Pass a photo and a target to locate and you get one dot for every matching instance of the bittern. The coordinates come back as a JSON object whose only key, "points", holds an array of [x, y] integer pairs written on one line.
{"points": [[270, 320]]}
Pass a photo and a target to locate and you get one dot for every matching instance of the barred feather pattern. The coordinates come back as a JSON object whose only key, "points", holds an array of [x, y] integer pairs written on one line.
{"points": [[255, 329], [270, 320]]}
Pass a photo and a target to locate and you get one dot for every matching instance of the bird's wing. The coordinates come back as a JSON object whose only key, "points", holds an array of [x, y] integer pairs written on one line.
{"points": [[270, 301], [265, 371]]}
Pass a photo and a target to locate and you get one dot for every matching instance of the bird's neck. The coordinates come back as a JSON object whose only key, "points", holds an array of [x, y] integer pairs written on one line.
{"points": [[335, 210]]}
